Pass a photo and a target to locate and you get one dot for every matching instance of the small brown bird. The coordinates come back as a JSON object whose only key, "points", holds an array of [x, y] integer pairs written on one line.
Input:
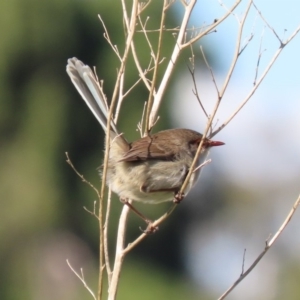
{"points": [[150, 169]]}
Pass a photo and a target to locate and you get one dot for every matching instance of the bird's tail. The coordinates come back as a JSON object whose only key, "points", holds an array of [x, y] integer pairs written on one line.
{"points": [[87, 84]]}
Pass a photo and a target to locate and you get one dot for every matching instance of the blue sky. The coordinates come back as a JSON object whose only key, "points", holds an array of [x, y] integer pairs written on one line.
{"points": [[262, 151], [270, 121]]}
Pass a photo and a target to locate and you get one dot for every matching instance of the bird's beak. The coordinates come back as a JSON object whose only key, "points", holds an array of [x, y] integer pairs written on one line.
{"points": [[214, 143]]}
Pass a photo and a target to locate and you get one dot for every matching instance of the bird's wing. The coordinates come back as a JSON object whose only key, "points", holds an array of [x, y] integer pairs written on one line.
{"points": [[150, 147]]}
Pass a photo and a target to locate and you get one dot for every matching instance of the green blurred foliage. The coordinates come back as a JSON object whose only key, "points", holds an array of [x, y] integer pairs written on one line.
{"points": [[42, 116]]}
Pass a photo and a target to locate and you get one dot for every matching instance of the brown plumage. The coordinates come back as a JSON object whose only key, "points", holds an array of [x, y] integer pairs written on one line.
{"points": [[150, 169]]}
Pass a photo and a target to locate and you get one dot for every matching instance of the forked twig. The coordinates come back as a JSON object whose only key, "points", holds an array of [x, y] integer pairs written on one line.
{"points": [[130, 26], [208, 161], [237, 51], [250, 94], [267, 247], [220, 96], [179, 46], [93, 213], [155, 97], [157, 222], [210, 70], [265, 21], [212, 26], [195, 91], [80, 175], [81, 278], [106, 36], [152, 92]]}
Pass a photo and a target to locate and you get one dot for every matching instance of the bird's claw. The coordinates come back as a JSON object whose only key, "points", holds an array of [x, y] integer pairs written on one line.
{"points": [[178, 197], [150, 228]]}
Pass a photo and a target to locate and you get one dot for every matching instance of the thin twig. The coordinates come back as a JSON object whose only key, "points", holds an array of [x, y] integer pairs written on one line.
{"points": [[195, 92], [265, 21], [243, 264], [149, 69], [138, 66], [199, 150], [179, 46], [93, 213], [81, 278], [237, 51], [212, 26], [156, 57], [105, 233], [80, 175], [152, 53], [120, 253], [154, 224], [267, 69], [121, 98], [202, 165], [259, 58], [140, 124], [227, 9], [267, 247], [210, 70], [217, 104], [175, 29], [130, 26], [106, 36], [129, 38], [176, 51], [142, 6]]}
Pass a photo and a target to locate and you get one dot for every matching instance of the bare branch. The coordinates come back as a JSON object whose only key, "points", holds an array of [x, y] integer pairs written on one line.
{"points": [[243, 264], [81, 176], [267, 247], [237, 51], [181, 44], [265, 21], [130, 29], [105, 233], [140, 124], [149, 69], [120, 253], [217, 104], [212, 26], [175, 29], [81, 278], [195, 92], [258, 59], [210, 70], [177, 48], [121, 98], [150, 116], [93, 213], [156, 57], [142, 6], [267, 69], [138, 65], [146, 36], [202, 165], [154, 224], [106, 36]]}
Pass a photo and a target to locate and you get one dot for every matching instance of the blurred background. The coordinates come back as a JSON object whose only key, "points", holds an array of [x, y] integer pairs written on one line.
{"points": [[242, 197]]}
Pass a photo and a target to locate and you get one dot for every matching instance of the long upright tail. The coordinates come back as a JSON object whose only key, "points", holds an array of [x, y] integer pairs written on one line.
{"points": [[90, 90]]}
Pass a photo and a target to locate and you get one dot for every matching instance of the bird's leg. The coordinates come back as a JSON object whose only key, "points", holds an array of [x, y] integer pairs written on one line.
{"points": [[179, 196], [150, 228]]}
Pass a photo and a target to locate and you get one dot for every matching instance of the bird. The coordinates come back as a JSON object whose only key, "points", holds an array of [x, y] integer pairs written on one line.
{"points": [[150, 169]]}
